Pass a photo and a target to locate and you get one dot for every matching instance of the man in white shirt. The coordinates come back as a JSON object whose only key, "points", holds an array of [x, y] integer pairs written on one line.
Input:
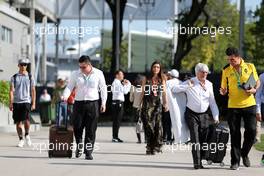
{"points": [[89, 82], [120, 87], [200, 97]]}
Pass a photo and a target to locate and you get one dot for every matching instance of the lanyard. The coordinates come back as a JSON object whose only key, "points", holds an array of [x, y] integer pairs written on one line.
{"points": [[87, 78], [238, 76]]}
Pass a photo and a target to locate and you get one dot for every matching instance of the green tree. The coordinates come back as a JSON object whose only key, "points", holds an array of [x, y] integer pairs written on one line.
{"points": [[165, 55], [108, 57], [250, 42], [258, 32], [210, 49], [189, 17]]}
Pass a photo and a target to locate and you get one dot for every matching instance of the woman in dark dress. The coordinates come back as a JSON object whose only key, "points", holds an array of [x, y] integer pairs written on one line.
{"points": [[153, 96]]}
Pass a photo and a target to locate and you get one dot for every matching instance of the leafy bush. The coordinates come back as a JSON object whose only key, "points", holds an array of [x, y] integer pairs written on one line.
{"points": [[4, 92], [260, 146]]}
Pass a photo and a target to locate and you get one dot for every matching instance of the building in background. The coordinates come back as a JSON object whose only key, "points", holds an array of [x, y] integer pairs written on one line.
{"points": [[14, 39]]}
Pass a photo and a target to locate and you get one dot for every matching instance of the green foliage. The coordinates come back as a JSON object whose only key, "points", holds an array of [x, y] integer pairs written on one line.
{"points": [[164, 54], [211, 49], [256, 44], [108, 57], [250, 42], [260, 146], [4, 92]]}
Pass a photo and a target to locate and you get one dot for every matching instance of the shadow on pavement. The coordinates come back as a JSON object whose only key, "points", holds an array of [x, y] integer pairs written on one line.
{"points": [[24, 157], [118, 153], [125, 165]]}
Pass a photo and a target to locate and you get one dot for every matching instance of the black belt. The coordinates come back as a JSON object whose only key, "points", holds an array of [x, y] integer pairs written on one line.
{"points": [[117, 101], [85, 101], [197, 113]]}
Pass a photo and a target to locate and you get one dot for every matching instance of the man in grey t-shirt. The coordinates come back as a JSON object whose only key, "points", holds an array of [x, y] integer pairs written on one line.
{"points": [[22, 100]]}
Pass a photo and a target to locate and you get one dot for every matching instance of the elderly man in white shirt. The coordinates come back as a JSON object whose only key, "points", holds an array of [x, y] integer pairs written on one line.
{"points": [[120, 87], [89, 82], [200, 97]]}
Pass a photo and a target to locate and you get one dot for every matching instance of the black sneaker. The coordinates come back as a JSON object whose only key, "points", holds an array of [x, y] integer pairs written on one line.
{"points": [[148, 152], [88, 156], [234, 167], [196, 166], [157, 149], [117, 140], [246, 161], [78, 153]]}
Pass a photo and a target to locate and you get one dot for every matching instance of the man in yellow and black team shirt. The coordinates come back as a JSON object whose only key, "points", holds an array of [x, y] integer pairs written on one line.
{"points": [[241, 104]]}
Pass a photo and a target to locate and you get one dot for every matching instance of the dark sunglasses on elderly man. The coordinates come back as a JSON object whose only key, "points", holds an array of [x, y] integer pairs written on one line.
{"points": [[23, 64]]}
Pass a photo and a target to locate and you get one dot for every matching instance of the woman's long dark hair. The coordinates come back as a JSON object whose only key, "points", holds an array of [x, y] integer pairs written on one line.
{"points": [[160, 74]]}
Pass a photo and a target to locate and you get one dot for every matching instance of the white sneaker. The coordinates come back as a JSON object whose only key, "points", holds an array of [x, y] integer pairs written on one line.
{"points": [[20, 143], [28, 141]]}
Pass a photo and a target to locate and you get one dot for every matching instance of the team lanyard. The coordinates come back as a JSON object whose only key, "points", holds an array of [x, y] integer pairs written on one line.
{"points": [[87, 78], [238, 76]]}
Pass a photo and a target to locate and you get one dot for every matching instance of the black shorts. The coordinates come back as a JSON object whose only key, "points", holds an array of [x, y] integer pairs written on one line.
{"points": [[21, 112]]}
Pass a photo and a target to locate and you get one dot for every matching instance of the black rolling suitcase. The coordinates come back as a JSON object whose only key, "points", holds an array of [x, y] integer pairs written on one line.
{"points": [[217, 140], [60, 134]]}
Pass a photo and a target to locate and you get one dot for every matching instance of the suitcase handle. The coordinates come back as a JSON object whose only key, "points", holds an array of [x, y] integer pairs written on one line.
{"points": [[58, 114], [221, 127]]}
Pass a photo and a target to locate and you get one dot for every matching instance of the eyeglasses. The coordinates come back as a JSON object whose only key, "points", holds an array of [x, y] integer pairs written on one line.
{"points": [[83, 67], [23, 64]]}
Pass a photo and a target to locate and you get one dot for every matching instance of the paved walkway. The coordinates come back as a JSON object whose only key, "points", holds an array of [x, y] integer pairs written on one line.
{"points": [[111, 159]]}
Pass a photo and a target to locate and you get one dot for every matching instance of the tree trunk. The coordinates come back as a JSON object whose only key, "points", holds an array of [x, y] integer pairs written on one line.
{"points": [[186, 20], [112, 7]]}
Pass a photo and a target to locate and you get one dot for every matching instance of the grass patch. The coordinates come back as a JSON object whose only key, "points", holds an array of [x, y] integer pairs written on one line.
{"points": [[260, 146]]}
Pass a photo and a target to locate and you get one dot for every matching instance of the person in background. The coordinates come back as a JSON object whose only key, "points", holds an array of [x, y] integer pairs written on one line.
{"points": [[200, 98], [166, 120], [58, 91], [44, 103], [56, 99], [177, 107], [45, 96], [120, 87], [241, 104], [134, 97], [22, 98], [153, 97], [260, 107]]}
